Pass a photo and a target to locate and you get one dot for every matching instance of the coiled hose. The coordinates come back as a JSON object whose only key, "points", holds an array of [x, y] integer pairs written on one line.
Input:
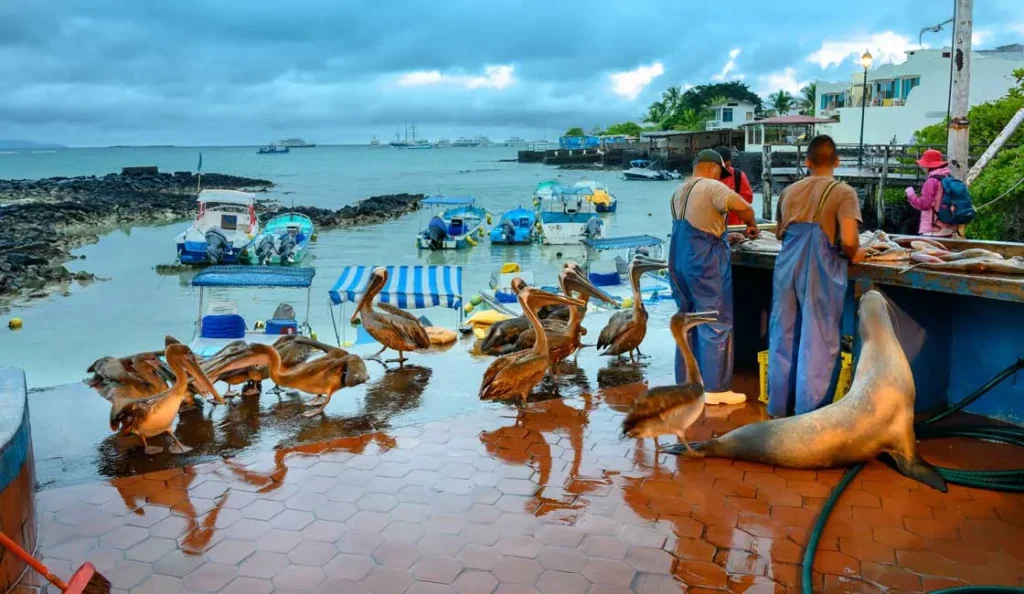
{"points": [[993, 480]]}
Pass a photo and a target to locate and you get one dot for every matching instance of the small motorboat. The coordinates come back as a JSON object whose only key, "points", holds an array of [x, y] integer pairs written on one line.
{"points": [[601, 197], [644, 170], [567, 215], [285, 240], [607, 265], [225, 225], [461, 223], [517, 226], [271, 149]]}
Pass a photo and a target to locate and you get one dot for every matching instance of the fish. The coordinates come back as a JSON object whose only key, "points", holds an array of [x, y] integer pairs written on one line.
{"points": [[1014, 265], [971, 253], [910, 241], [893, 254]]}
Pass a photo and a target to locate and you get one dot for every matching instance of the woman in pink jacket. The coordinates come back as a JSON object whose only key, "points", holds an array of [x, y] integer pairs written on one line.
{"points": [[931, 196]]}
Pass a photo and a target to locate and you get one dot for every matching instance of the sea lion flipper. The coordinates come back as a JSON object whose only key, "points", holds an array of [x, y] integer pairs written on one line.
{"points": [[919, 470], [678, 449]]}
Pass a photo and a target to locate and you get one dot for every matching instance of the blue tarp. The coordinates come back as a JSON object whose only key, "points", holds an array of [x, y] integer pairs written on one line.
{"points": [[617, 243], [254, 276], [448, 200], [408, 287], [579, 142]]}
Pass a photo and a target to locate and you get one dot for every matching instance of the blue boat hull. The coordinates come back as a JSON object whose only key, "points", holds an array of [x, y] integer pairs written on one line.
{"points": [[195, 253], [607, 208]]}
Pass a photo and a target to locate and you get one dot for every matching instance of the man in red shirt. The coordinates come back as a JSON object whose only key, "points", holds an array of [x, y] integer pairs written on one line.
{"points": [[740, 185]]}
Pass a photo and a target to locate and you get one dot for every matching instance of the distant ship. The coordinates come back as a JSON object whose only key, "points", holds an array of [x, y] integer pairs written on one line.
{"points": [[296, 143], [406, 143], [516, 141], [475, 141], [443, 143], [374, 142]]}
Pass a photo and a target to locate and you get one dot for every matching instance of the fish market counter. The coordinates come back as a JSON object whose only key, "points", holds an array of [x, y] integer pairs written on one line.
{"points": [[17, 475], [957, 329]]}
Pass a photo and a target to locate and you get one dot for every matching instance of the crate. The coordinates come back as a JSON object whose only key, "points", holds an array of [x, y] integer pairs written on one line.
{"points": [[842, 386]]}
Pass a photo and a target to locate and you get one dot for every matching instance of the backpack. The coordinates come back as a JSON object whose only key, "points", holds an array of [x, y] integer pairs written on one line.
{"points": [[956, 207]]}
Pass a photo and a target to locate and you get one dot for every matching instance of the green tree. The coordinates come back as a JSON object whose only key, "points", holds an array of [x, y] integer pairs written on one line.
{"points": [[688, 120], [671, 98], [627, 128], [808, 96], [781, 102], [701, 96], [656, 113], [575, 132]]}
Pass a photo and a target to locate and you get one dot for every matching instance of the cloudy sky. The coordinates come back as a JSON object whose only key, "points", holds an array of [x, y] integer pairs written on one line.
{"points": [[219, 72]]}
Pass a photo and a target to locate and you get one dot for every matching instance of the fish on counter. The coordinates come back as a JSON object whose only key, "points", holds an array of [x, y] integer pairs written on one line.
{"points": [[766, 243]]}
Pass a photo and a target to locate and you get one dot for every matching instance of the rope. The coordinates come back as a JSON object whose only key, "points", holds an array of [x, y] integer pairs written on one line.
{"points": [[1001, 196], [994, 480]]}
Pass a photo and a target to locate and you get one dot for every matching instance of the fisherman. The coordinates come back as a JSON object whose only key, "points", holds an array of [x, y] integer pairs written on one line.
{"points": [[810, 283], [701, 270], [739, 183], [928, 202]]}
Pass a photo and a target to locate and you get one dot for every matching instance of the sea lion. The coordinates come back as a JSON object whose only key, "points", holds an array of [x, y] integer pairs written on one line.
{"points": [[875, 416]]}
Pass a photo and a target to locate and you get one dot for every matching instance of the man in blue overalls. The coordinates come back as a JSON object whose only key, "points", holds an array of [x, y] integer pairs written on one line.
{"points": [[810, 283], [701, 271]]}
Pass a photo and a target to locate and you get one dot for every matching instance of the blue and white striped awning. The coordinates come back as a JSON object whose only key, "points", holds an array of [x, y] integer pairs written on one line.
{"points": [[408, 287]]}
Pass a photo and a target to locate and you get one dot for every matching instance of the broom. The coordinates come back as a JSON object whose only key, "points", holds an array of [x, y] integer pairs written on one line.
{"points": [[85, 581]]}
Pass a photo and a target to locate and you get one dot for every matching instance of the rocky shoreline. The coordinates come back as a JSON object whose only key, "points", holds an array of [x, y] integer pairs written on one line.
{"points": [[46, 219]]}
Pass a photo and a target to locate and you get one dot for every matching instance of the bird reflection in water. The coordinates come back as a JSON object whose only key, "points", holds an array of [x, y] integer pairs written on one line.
{"points": [[558, 418], [619, 374]]}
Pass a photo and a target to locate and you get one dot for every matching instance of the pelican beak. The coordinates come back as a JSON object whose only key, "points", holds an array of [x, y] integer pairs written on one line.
{"points": [[642, 265], [355, 371], [377, 282], [538, 298], [699, 317], [517, 285], [576, 280], [201, 380]]}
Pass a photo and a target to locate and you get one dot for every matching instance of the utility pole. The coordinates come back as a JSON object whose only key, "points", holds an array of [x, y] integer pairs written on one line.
{"points": [[959, 135]]}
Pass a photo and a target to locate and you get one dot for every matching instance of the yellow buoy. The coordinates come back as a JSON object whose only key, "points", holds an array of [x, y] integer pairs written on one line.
{"points": [[480, 232], [14, 324], [627, 302], [312, 335], [348, 343], [488, 218], [470, 240], [467, 308]]}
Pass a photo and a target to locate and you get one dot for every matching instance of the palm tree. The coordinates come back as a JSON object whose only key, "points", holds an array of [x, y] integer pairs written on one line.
{"points": [[671, 98], [808, 96], [656, 113], [781, 102]]}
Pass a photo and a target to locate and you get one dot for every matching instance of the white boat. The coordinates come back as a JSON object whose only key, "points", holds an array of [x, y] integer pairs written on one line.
{"points": [[601, 197], [463, 142], [296, 143], [443, 143], [607, 259], [643, 170], [225, 225], [516, 141], [567, 216], [406, 143], [374, 142]]}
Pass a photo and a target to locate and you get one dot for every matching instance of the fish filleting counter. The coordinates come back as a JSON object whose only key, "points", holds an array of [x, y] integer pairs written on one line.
{"points": [[958, 329]]}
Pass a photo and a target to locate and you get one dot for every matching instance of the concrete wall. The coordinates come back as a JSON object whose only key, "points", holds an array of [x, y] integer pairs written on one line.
{"points": [[17, 474]]}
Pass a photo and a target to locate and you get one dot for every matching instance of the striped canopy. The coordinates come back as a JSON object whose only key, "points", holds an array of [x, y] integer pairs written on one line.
{"points": [[408, 287]]}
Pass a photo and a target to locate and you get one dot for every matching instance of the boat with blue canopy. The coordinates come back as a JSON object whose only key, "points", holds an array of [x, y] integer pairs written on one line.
{"points": [[456, 223], [408, 288], [517, 226], [285, 240], [220, 322], [607, 265], [568, 216], [601, 197], [224, 226]]}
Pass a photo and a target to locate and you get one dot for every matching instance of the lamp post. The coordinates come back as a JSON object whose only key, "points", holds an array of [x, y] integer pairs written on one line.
{"points": [[865, 61]]}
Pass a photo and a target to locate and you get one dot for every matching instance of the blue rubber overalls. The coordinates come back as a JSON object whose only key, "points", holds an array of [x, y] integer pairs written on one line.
{"points": [[701, 274], [809, 289]]}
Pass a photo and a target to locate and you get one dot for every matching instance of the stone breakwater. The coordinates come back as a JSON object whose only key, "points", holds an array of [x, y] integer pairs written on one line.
{"points": [[45, 219]]}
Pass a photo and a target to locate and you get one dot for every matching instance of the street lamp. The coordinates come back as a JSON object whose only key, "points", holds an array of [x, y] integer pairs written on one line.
{"points": [[865, 61]]}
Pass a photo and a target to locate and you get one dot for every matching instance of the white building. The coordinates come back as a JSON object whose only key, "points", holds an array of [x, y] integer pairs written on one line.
{"points": [[903, 98], [730, 115]]}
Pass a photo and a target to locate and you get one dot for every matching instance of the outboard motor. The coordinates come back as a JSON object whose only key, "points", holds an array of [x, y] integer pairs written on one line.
{"points": [[265, 249], [286, 247], [436, 233], [593, 228], [508, 231], [216, 244]]}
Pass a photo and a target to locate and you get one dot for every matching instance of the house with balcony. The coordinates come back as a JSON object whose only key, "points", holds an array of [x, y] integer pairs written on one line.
{"points": [[900, 99], [783, 132], [730, 115]]}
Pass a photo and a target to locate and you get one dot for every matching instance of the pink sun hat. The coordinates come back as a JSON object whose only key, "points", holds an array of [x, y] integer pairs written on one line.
{"points": [[931, 159]]}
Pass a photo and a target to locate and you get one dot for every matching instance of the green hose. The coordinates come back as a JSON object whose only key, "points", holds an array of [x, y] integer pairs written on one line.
{"points": [[993, 480]]}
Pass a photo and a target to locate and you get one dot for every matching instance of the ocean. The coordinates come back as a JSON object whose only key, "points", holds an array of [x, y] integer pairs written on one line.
{"points": [[137, 307]]}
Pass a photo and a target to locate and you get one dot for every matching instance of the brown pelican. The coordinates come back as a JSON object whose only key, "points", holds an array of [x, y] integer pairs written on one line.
{"points": [[154, 415], [564, 337], [670, 410], [516, 374], [136, 376], [294, 350], [393, 328], [627, 329], [322, 377]]}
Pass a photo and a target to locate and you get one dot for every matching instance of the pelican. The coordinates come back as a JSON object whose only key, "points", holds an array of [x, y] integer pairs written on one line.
{"points": [[392, 327], [564, 337], [671, 410], [626, 330], [294, 350], [154, 415], [135, 376], [516, 374], [322, 377]]}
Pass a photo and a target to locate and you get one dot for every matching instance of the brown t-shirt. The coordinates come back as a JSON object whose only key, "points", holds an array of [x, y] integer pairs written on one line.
{"points": [[799, 204], [707, 205]]}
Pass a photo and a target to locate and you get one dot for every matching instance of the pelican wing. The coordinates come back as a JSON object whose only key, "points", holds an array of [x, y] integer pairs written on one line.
{"points": [[660, 402], [228, 352], [109, 369], [239, 361], [555, 329], [501, 378], [128, 414], [502, 334], [554, 312], [392, 310], [614, 327]]}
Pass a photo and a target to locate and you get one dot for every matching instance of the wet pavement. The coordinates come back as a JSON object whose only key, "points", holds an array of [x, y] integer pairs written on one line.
{"points": [[379, 498]]}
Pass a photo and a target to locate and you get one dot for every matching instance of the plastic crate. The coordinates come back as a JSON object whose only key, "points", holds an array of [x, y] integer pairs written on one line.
{"points": [[842, 386], [282, 327]]}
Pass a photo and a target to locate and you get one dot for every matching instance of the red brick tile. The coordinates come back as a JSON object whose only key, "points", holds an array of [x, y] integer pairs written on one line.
{"points": [[867, 550], [607, 547], [694, 549], [754, 584], [701, 573], [891, 576], [836, 563], [742, 562]]}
